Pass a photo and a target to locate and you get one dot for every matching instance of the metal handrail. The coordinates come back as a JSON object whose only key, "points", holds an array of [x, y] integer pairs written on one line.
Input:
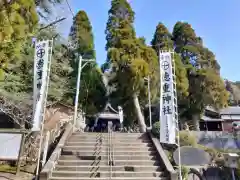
{"points": [[112, 148], [108, 146], [110, 160], [97, 152]]}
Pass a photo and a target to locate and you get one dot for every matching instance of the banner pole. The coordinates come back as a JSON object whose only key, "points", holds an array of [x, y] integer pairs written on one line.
{"points": [[43, 109], [176, 118]]}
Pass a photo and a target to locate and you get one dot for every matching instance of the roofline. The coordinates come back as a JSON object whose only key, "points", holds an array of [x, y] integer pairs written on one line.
{"points": [[229, 114]]}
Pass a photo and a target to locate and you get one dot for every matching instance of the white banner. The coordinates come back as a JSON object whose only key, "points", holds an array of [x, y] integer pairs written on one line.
{"points": [[41, 59], [167, 110]]}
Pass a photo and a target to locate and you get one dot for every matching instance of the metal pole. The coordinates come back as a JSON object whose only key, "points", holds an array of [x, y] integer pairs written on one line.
{"points": [[149, 103], [77, 92], [179, 156], [178, 129], [233, 175], [20, 153], [161, 87]]}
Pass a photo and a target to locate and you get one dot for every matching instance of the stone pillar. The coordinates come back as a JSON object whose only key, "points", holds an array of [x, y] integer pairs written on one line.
{"points": [[110, 124]]}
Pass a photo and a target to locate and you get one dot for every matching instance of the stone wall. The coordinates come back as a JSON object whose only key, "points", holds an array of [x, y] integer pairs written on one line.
{"points": [[218, 139]]}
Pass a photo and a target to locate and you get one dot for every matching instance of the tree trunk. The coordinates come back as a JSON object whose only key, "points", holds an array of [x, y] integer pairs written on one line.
{"points": [[141, 120], [195, 119]]}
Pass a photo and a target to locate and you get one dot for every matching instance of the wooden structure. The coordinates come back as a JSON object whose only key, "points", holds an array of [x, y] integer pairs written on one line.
{"points": [[220, 120], [109, 114]]}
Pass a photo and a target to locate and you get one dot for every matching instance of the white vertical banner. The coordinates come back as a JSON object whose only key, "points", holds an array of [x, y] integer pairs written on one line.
{"points": [[167, 109], [41, 59]]}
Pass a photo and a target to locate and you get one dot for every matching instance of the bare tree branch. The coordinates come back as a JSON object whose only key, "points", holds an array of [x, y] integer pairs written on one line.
{"points": [[52, 23]]}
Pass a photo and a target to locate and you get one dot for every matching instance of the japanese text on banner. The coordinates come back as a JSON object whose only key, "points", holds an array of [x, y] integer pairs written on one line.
{"points": [[167, 121]]}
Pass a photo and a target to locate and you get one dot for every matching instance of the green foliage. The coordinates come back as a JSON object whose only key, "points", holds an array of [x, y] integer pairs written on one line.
{"points": [[130, 58], [18, 21], [92, 89], [187, 139], [120, 23], [162, 40], [185, 171], [81, 35], [205, 84], [156, 129], [234, 92], [18, 82]]}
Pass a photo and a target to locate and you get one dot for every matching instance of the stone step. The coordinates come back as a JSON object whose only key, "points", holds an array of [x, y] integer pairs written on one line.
{"points": [[95, 144], [106, 174], [105, 157], [114, 136], [107, 178], [85, 148], [105, 140], [105, 152], [135, 168], [75, 162]]}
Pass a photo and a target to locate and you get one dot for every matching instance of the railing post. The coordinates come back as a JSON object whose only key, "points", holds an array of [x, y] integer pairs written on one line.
{"points": [[45, 148]]}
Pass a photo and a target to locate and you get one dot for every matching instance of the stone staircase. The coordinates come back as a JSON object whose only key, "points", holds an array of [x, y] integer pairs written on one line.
{"points": [[87, 155]]}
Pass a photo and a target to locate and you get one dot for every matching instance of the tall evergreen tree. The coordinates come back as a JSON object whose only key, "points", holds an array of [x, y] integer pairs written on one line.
{"points": [[92, 90], [162, 41], [131, 60], [18, 20], [205, 85]]}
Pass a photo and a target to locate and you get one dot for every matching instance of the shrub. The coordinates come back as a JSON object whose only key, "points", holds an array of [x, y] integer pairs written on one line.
{"points": [[214, 154], [187, 139], [185, 171], [169, 155], [156, 129]]}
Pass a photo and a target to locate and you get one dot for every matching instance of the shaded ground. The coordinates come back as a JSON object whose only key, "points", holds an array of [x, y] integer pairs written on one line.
{"points": [[10, 173], [10, 176]]}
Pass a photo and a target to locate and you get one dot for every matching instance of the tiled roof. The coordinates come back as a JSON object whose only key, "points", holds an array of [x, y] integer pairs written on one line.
{"points": [[205, 118], [232, 110], [210, 108]]}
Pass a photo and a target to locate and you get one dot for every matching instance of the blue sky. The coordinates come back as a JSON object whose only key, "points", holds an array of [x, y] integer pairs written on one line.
{"points": [[216, 21]]}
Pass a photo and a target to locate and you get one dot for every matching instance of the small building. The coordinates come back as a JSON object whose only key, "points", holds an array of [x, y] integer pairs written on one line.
{"points": [[211, 120], [229, 115], [108, 114], [222, 120]]}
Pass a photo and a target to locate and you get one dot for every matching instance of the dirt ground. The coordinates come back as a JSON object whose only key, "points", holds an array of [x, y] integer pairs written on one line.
{"points": [[21, 176], [25, 174]]}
